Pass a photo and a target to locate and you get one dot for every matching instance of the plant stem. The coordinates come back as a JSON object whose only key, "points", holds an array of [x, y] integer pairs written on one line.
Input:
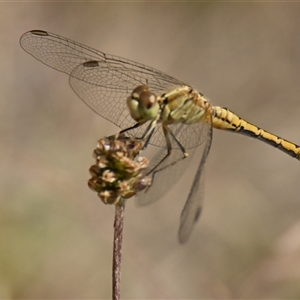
{"points": [[117, 251]]}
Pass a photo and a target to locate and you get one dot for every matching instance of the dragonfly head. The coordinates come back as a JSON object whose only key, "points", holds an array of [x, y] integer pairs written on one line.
{"points": [[143, 104]]}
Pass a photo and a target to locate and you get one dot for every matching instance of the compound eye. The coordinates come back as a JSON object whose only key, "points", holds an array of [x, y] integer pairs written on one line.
{"points": [[143, 104], [147, 99], [136, 93]]}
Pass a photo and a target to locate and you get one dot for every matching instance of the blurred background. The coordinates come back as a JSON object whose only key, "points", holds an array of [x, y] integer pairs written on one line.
{"points": [[56, 234]]}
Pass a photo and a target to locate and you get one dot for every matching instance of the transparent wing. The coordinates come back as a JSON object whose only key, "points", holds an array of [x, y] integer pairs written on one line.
{"points": [[65, 55], [163, 181], [193, 205], [104, 81], [114, 76]]}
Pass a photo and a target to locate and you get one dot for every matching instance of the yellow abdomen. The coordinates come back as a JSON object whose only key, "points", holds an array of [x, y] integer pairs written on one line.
{"points": [[225, 119]]}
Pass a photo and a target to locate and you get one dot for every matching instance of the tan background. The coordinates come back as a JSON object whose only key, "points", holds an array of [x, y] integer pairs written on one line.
{"points": [[56, 235]]}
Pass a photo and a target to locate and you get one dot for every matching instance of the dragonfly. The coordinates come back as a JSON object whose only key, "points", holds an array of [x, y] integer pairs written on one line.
{"points": [[170, 115]]}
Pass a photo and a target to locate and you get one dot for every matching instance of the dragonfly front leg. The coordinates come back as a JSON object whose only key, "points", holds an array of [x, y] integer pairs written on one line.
{"points": [[136, 125], [146, 137], [120, 133]]}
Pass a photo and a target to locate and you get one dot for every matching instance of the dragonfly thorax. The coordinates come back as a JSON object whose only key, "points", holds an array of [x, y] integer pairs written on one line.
{"points": [[183, 104], [143, 104]]}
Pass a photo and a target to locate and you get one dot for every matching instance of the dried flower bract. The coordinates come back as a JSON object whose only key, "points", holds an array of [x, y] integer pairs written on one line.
{"points": [[117, 173]]}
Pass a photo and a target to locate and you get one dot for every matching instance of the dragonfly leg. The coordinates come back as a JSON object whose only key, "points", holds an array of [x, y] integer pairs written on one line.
{"points": [[130, 128], [120, 133], [185, 154], [167, 132], [146, 137]]}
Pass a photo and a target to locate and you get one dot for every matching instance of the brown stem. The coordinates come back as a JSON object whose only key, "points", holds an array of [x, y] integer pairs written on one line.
{"points": [[117, 251]]}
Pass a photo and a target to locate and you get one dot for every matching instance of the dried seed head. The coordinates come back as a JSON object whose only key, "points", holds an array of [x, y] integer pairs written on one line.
{"points": [[118, 172]]}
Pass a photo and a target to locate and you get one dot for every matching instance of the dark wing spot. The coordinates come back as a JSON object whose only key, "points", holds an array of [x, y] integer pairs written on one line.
{"points": [[39, 32], [91, 64], [197, 215]]}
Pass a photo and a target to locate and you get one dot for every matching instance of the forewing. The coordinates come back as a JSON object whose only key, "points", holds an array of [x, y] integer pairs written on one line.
{"points": [[114, 76]]}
